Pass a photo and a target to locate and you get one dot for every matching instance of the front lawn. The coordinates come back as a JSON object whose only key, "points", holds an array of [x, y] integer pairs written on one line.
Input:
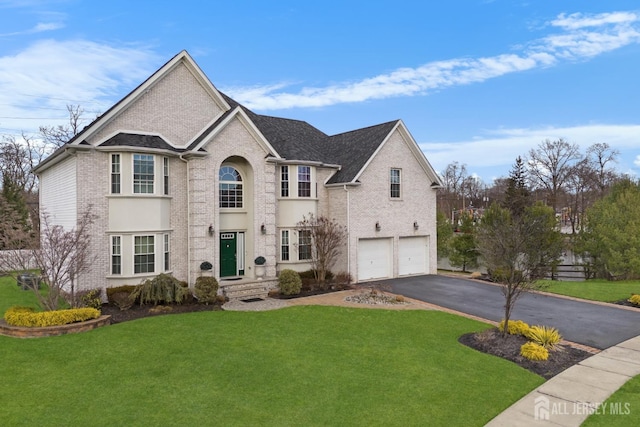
{"points": [[621, 408], [307, 365], [595, 290], [11, 294]]}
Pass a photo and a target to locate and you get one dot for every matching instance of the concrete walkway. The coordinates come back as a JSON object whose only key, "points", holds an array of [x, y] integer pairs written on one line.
{"points": [[571, 396]]}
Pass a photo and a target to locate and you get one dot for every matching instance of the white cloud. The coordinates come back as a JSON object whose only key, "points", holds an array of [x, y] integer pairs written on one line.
{"points": [[38, 28], [36, 83], [577, 21], [492, 154], [584, 37]]}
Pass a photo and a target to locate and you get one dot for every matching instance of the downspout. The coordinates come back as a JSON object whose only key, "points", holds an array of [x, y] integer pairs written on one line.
{"points": [[188, 220], [348, 229]]}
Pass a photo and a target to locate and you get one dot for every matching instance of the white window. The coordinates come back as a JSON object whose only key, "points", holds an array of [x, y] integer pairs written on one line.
{"points": [[304, 181], [166, 252], [394, 183], [116, 255], [144, 254], [284, 181], [284, 245], [143, 173], [115, 174], [165, 168], [304, 245], [230, 187]]}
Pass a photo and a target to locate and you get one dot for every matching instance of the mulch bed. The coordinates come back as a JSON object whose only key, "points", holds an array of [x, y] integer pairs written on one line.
{"points": [[493, 342], [140, 311]]}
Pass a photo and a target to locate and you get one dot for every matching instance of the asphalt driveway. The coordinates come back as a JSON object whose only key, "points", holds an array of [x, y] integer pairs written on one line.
{"points": [[595, 325]]}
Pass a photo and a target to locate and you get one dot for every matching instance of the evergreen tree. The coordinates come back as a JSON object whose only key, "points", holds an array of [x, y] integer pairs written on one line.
{"points": [[517, 195], [464, 252]]}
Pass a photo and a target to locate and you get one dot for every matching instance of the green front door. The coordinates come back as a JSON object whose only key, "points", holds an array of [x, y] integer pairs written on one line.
{"points": [[228, 258]]}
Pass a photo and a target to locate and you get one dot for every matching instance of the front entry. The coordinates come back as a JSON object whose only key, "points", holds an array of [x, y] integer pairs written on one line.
{"points": [[228, 254]]}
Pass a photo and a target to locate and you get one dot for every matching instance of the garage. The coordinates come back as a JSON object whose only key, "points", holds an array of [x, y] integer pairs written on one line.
{"points": [[374, 259], [413, 255]]}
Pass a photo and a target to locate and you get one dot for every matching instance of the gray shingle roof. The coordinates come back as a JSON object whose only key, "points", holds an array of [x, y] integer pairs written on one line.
{"points": [[140, 141], [298, 140]]}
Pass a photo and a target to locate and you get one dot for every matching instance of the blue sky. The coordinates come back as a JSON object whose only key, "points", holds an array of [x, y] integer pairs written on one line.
{"points": [[475, 81]]}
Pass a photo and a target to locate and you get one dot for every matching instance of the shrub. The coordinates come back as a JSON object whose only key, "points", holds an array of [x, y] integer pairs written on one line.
{"points": [[126, 289], [25, 316], [516, 327], [206, 290], [122, 300], [533, 351], [92, 298], [289, 282], [260, 260], [544, 336], [635, 299], [164, 288], [343, 280], [206, 266]]}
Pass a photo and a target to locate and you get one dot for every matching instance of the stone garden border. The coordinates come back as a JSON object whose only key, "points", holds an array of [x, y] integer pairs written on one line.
{"points": [[52, 331]]}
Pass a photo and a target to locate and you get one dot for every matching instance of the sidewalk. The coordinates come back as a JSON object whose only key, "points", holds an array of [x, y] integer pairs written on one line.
{"points": [[571, 396]]}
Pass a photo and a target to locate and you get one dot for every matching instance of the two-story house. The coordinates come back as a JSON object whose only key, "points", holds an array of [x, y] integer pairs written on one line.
{"points": [[177, 173]]}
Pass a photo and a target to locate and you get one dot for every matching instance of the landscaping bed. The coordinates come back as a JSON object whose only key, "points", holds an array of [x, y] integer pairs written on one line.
{"points": [[140, 311], [493, 342]]}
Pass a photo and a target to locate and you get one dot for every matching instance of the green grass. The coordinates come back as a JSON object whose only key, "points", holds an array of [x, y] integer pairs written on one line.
{"points": [[296, 366], [11, 294], [621, 408], [595, 290]]}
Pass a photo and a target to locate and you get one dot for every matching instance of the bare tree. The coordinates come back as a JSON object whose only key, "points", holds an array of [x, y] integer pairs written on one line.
{"points": [[57, 136], [600, 156], [63, 255], [327, 242], [451, 197], [551, 165], [518, 250]]}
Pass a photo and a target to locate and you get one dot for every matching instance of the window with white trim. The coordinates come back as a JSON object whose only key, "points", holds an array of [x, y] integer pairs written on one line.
{"points": [[304, 245], [230, 187], [144, 254], [394, 183], [284, 245], [165, 181], [143, 173], [116, 254], [166, 252], [115, 174], [284, 181], [304, 181]]}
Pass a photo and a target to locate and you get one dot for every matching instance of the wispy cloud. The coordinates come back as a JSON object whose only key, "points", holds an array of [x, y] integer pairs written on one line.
{"points": [[492, 153], [38, 28], [582, 37], [35, 82]]}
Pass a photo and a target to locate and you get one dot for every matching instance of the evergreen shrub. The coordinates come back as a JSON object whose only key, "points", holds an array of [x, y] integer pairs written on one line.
{"points": [[289, 282]]}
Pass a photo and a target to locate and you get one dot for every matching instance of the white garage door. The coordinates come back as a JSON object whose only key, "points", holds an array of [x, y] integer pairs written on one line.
{"points": [[374, 259], [413, 255]]}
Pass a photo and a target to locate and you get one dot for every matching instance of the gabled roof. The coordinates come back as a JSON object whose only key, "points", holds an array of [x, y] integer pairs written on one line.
{"points": [[284, 139]]}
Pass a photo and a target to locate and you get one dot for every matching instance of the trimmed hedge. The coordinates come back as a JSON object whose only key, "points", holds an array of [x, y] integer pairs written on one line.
{"points": [[289, 282], [25, 316]]}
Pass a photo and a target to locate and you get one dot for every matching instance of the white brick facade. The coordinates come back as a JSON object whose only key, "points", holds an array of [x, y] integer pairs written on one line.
{"points": [[179, 105]]}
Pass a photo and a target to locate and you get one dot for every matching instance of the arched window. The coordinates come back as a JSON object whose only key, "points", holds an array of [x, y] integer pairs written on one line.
{"points": [[230, 187]]}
